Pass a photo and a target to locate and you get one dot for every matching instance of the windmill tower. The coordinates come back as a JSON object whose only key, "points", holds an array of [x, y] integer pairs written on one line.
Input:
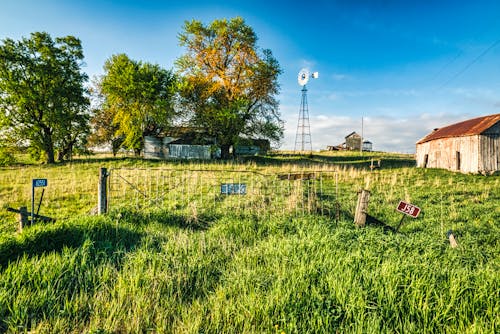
{"points": [[303, 140]]}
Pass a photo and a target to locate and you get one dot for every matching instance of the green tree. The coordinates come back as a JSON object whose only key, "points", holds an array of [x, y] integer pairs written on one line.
{"points": [[229, 86], [43, 101], [136, 100]]}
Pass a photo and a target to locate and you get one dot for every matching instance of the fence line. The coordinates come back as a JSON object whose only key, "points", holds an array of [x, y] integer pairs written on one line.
{"points": [[196, 192], [445, 198]]}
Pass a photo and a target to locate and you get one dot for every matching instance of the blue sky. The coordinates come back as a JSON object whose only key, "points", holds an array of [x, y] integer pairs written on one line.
{"points": [[406, 67]]}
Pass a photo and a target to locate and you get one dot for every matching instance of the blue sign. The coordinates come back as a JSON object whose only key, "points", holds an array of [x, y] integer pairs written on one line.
{"points": [[39, 183], [233, 189]]}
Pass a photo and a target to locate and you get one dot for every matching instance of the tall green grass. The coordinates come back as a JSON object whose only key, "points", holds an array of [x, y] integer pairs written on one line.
{"points": [[155, 271]]}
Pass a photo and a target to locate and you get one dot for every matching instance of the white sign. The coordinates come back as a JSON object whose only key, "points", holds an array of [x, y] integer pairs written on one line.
{"points": [[233, 189]]}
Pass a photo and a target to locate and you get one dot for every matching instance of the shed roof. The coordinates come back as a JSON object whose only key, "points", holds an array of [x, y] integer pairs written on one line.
{"points": [[469, 127], [352, 134]]}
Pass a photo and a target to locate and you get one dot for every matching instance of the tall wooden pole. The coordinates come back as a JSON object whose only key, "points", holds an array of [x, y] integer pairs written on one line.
{"points": [[362, 134]]}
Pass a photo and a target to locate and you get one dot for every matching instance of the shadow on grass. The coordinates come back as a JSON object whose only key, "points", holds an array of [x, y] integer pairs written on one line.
{"points": [[350, 161], [105, 237], [199, 222]]}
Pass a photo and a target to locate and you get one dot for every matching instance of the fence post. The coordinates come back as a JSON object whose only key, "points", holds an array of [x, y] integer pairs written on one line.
{"points": [[23, 218], [451, 238], [361, 208], [102, 201]]}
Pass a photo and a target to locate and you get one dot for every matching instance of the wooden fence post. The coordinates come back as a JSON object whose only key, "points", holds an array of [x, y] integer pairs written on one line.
{"points": [[23, 218], [451, 238], [361, 208], [102, 201]]}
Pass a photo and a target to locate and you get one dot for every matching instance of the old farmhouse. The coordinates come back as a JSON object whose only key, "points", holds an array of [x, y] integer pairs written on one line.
{"points": [[471, 146]]}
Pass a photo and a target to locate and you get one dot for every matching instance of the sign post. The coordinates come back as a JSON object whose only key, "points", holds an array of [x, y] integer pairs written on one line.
{"points": [[407, 209], [36, 183]]}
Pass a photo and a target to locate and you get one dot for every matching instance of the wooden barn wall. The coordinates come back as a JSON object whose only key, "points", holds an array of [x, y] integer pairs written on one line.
{"points": [[442, 153], [153, 148], [489, 146], [353, 142], [189, 151]]}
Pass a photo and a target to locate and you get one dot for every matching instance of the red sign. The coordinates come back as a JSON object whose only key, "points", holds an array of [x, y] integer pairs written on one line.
{"points": [[408, 209]]}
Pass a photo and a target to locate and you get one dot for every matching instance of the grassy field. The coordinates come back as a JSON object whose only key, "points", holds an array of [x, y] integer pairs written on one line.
{"points": [[157, 271]]}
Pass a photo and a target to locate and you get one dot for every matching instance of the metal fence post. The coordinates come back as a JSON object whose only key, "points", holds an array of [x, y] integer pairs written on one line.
{"points": [[102, 202], [361, 208]]}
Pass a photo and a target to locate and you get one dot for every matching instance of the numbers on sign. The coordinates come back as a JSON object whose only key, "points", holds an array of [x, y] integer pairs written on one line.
{"points": [[39, 183], [408, 209]]}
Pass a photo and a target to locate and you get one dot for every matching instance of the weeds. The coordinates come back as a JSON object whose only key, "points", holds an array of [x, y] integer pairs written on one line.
{"points": [[203, 271]]}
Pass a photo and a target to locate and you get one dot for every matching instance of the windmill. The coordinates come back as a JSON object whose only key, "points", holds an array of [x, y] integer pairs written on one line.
{"points": [[303, 136]]}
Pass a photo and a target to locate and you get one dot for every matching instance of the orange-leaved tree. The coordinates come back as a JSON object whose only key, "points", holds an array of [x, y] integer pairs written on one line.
{"points": [[229, 85]]}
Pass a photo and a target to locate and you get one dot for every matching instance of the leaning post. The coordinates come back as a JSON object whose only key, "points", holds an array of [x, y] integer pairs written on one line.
{"points": [[102, 201], [452, 239], [361, 208]]}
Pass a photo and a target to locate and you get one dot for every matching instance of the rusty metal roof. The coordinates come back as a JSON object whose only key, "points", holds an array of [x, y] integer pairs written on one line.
{"points": [[469, 127]]}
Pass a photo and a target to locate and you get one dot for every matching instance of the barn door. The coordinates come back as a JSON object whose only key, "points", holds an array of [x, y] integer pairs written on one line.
{"points": [[457, 159]]}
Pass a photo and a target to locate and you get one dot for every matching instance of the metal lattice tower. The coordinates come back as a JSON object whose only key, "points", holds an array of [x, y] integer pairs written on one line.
{"points": [[303, 140]]}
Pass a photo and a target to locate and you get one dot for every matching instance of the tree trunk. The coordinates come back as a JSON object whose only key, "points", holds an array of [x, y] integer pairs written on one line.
{"points": [[115, 145], [65, 152], [224, 152], [48, 145], [49, 153]]}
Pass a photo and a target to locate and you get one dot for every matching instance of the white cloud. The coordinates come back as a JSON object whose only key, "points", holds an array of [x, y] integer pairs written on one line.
{"points": [[386, 133]]}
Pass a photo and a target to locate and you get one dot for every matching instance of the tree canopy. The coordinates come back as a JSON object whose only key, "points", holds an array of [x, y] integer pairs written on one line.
{"points": [[136, 100], [43, 101], [229, 85]]}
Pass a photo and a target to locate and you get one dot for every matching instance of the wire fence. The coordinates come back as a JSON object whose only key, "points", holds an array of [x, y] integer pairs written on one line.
{"points": [[198, 193], [447, 199]]}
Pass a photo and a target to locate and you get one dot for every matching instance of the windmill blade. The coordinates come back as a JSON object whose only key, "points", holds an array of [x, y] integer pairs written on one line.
{"points": [[303, 77]]}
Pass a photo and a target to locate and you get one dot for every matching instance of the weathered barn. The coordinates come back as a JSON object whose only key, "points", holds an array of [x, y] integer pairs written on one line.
{"points": [[353, 141], [471, 146], [194, 143], [180, 143]]}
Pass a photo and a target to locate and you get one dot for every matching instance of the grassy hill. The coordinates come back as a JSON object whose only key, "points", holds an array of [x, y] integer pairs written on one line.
{"points": [[158, 271]]}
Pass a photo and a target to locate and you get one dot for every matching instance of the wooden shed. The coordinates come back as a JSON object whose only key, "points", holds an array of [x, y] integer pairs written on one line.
{"points": [[180, 143], [471, 146], [353, 141]]}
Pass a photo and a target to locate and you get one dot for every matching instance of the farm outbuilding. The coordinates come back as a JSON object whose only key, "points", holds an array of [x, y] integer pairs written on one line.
{"points": [[353, 141], [367, 146], [177, 148], [195, 143], [180, 143], [471, 146]]}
